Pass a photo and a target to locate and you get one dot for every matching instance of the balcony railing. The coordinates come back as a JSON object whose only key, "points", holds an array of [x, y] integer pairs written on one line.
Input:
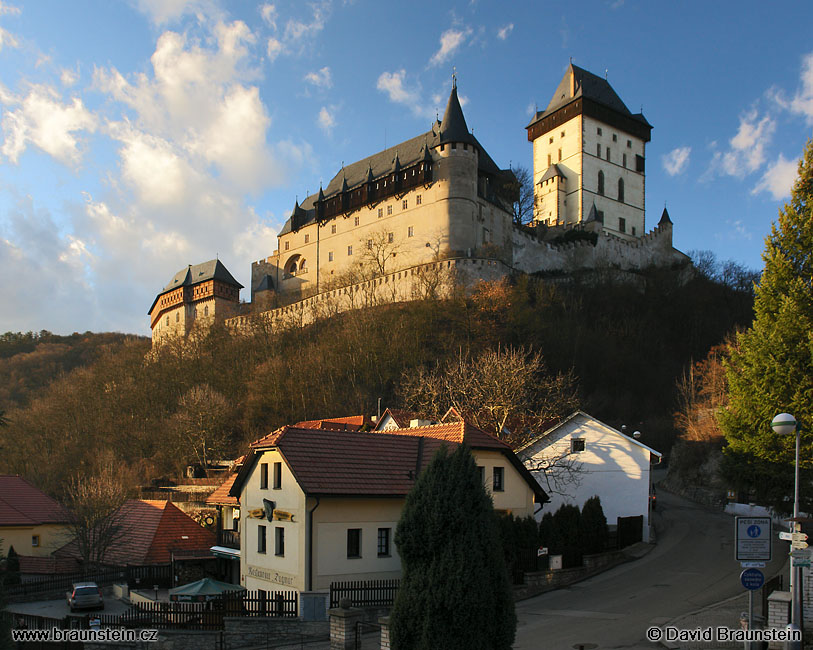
{"points": [[228, 538]]}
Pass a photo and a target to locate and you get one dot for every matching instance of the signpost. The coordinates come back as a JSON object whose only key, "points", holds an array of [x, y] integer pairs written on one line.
{"points": [[753, 547]]}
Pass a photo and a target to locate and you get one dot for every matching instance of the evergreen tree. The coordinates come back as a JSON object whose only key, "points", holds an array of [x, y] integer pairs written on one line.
{"points": [[12, 567], [770, 369], [454, 592], [594, 533], [567, 535]]}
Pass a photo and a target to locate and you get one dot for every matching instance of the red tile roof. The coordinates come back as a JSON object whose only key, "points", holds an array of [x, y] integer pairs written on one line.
{"points": [[351, 423], [152, 530], [457, 431], [22, 504], [220, 497], [48, 565]]}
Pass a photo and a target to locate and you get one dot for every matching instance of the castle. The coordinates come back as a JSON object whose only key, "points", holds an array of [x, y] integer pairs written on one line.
{"points": [[439, 200]]}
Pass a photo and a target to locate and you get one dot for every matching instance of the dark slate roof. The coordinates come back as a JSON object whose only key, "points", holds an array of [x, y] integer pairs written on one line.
{"points": [[593, 214], [266, 284], [587, 85], [193, 274], [405, 154], [664, 217], [553, 170]]}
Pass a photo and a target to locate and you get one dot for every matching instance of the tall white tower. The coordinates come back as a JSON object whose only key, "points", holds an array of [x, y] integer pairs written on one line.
{"points": [[589, 150]]}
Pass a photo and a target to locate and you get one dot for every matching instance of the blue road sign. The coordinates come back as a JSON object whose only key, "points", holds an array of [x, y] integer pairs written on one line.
{"points": [[754, 531], [752, 579]]}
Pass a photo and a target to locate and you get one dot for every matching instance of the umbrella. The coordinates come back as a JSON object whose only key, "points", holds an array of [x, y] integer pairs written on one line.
{"points": [[202, 590]]}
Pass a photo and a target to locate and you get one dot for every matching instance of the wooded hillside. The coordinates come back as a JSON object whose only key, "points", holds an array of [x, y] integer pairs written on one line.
{"points": [[107, 399]]}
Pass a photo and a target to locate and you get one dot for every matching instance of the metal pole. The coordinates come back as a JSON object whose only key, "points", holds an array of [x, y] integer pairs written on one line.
{"points": [[748, 644], [797, 620]]}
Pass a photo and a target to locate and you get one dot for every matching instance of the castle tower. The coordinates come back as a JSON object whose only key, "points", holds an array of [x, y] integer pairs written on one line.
{"points": [[588, 148], [200, 293]]}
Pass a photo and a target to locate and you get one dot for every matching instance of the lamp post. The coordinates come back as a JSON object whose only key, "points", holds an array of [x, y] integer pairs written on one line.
{"points": [[785, 424]]}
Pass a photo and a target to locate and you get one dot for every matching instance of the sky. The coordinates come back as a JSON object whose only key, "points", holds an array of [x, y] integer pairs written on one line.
{"points": [[139, 136]]}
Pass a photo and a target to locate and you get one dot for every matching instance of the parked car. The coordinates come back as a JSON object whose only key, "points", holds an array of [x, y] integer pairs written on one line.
{"points": [[85, 595]]}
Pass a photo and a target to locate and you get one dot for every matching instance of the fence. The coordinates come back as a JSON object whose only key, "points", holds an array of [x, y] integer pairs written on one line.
{"points": [[365, 593], [206, 616], [527, 560], [135, 576]]}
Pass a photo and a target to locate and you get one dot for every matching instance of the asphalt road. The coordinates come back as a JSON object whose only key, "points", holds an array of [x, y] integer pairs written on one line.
{"points": [[692, 565]]}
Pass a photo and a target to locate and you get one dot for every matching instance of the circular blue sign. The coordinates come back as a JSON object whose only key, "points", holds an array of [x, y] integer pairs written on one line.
{"points": [[752, 579], [754, 531]]}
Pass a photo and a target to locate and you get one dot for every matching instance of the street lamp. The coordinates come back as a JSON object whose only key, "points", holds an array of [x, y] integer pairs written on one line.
{"points": [[785, 424]]}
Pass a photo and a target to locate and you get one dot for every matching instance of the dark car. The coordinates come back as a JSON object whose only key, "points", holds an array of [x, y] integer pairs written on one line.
{"points": [[85, 595]]}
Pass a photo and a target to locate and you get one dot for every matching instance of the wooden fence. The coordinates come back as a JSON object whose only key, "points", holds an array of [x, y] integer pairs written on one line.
{"points": [[365, 593], [134, 576]]}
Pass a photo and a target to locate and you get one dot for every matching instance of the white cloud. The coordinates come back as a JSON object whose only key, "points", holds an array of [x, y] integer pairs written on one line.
{"points": [[7, 39], [326, 120], [40, 118], [297, 35], [778, 178], [8, 10], [321, 78], [273, 49], [746, 151], [165, 11], [450, 42], [392, 83], [68, 77], [503, 32], [802, 102], [269, 15], [676, 161]]}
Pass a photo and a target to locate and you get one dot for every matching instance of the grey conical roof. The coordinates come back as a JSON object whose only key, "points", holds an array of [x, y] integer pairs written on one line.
{"points": [[593, 214], [453, 128], [396, 164], [664, 218]]}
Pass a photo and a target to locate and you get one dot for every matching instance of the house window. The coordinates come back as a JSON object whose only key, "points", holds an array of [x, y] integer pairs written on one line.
{"points": [[622, 224], [384, 542], [349, 250], [615, 138], [601, 183], [482, 471], [404, 204], [598, 130], [380, 212], [576, 445], [353, 542], [418, 200], [330, 256], [260, 539], [333, 229], [277, 476], [598, 150], [411, 231], [499, 479], [307, 238], [390, 237], [263, 476], [356, 221], [287, 245], [279, 541], [35, 540], [389, 210], [621, 189]]}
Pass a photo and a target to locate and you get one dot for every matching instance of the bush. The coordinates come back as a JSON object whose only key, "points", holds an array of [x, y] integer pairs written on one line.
{"points": [[594, 532]]}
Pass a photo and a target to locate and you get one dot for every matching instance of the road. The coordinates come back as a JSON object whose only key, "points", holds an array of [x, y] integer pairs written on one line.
{"points": [[692, 565]]}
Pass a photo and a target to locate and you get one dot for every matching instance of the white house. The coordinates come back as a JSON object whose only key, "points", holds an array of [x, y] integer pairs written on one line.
{"points": [[605, 461]]}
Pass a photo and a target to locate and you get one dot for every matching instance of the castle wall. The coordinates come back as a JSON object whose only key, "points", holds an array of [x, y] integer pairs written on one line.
{"points": [[567, 138]]}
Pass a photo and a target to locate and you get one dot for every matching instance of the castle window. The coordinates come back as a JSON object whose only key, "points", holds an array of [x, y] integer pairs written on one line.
{"points": [[206, 310], [404, 204], [633, 230], [598, 130], [562, 134], [411, 231], [551, 140], [624, 160], [442, 147], [333, 229], [389, 210], [330, 256], [608, 153], [615, 138], [622, 224], [307, 238], [390, 237], [598, 150], [287, 245], [302, 264], [167, 320], [177, 316], [356, 221], [601, 183], [621, 189], [600, 216], [465, 147], [629, 144], [418, 200], [639, 163], [349, 250], [369, 244], [380, 212]]}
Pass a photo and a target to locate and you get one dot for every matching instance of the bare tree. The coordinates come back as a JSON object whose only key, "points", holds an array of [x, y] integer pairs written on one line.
{"points": [[93, 501], [559, 473], [506, 391], [202, 424], [522, 194], [379, 251]]}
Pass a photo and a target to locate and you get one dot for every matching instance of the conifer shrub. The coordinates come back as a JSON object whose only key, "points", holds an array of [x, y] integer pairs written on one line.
{"points": [[455, 593], [594, 532]]}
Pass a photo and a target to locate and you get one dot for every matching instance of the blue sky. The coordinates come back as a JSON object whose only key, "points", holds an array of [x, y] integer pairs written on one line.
{"points": [[139, 137]]}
